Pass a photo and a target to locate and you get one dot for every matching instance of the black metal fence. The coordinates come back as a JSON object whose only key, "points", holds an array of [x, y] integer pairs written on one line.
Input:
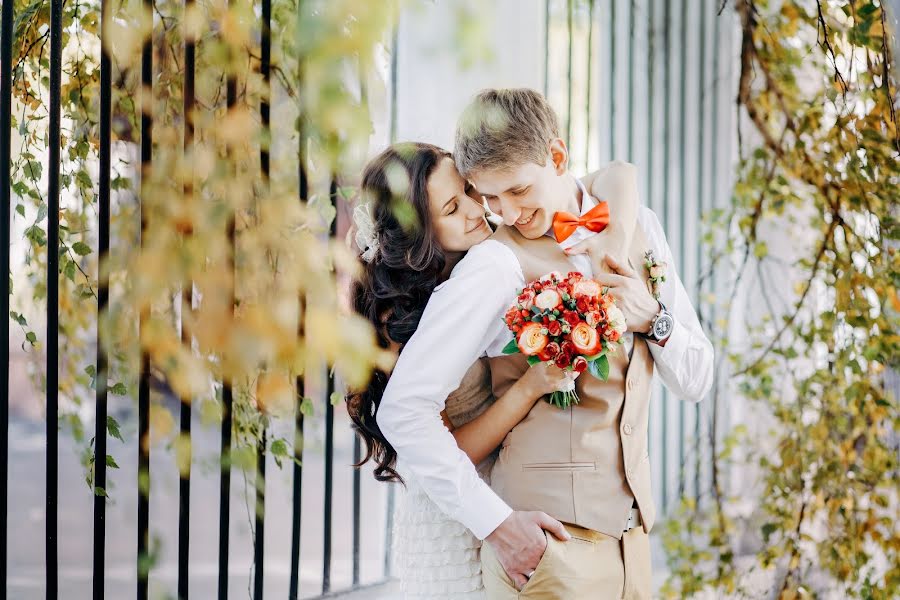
{"points": [[100, 532], [653, 82]]}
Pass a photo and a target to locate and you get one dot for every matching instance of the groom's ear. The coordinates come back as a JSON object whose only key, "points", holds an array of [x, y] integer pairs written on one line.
{"points": [[559, 155]]}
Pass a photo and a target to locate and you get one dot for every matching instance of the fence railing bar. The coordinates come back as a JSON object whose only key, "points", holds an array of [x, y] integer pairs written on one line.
{"points": [[713, 197], [612, 80], [631, 21], [259, 543], [225, 474], [329, 437], [227, 399], [100, 381], [143, 516], [329, 486], [389, 508], [546, 48], [184, 481], [590, 87], [357, 455], [682, 187], [296, 493], [6, 35], [52, 469], [259, 538], [649, 201], [667, 121], [297, 483], [570, 9], [701, 205]]}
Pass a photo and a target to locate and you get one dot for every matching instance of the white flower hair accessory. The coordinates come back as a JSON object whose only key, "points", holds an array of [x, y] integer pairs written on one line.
{"points": [[366, 238]]}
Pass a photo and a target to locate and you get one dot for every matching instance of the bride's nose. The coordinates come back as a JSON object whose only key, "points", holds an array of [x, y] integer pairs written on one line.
{"points": [[474, 210]]}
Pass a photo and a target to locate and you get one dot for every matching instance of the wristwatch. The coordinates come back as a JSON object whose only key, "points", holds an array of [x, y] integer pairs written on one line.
{"points": [[661, 326]]}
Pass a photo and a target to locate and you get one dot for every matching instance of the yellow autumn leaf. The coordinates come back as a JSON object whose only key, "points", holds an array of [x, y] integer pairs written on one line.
{"points": [[183, 454], [275, 393], [162, 423]]}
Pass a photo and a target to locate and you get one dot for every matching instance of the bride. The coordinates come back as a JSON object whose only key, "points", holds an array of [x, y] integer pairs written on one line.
{"points": [[410, 244]]}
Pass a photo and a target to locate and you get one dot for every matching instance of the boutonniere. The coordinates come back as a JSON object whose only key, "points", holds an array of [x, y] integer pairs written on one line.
{"points": [[657, 272]]}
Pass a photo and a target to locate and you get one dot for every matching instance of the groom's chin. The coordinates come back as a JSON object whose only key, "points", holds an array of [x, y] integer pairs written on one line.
{"points": [[536, 228]]}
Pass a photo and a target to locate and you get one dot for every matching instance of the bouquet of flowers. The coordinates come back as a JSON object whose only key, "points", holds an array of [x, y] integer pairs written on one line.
{"points": [[571, 321]]}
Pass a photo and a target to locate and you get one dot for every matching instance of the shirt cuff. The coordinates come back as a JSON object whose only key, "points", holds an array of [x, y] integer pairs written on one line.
{"points": [[483, 512]]}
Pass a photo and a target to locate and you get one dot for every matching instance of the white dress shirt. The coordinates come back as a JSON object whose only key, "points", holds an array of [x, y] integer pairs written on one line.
{"points": [[464, 321]]}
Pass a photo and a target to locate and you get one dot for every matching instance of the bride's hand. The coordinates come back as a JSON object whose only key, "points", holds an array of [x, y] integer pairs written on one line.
{"points": [[546, 378]]}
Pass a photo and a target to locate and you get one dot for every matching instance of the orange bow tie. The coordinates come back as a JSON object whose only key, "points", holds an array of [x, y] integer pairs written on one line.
{"points": [[565, 224]]}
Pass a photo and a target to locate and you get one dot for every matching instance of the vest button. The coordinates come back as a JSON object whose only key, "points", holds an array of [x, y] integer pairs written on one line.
{"points": [[626, 429], [631, 384]]}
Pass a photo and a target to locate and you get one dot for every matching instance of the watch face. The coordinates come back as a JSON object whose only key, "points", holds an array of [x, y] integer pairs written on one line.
{"points": [[662, 327]]}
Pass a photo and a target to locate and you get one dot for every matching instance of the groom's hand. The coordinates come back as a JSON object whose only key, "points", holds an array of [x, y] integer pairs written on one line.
{"points": [[519, 542], [627, 288]]}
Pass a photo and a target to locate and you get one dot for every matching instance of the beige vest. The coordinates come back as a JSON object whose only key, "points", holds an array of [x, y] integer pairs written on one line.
{"points": [[582, 465]]}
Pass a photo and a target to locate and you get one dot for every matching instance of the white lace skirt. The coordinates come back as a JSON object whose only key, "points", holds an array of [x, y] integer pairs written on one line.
{"points": [[435, 556]]}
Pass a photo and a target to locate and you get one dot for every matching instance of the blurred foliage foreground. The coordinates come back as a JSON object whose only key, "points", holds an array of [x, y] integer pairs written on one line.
{"points": [[220, 268], [815, 513]]}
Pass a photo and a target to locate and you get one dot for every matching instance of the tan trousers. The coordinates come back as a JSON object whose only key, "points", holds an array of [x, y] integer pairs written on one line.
{"points": [[590, 565]]}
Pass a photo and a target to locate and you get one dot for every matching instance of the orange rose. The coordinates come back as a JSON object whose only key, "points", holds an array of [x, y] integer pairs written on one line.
{"points": [[548, 300], [587, 287], [531, 339], [585, 339]]}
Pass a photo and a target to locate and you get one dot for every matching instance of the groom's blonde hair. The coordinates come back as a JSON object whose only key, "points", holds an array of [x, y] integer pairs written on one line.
{"points": [[502, 129]]}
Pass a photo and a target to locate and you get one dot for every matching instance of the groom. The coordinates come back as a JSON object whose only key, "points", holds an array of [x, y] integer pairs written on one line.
{"points": [[582, 474]]}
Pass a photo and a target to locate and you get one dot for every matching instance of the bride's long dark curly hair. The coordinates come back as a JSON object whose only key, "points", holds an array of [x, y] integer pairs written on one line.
{"points": [[395, 285]]}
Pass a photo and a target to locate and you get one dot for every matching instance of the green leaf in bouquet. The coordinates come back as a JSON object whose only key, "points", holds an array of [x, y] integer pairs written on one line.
{"points": [[533, 360], [594, 357], [511, 348], [599, 368], [535, 310]]}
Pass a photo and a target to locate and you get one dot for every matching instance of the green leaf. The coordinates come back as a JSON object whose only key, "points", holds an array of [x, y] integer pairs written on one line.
{"points": [[511, 348], [768, 529], [533, 360], [83, 179], [36, 235], [119, 389], [336, 398], [20, 209], [69, 270], [99, 491], [279, 448], [111, 462], [81, 248], [761, 250], [33, 169], [599, 368], [31, 337], [112, 426], [306, 407]]}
